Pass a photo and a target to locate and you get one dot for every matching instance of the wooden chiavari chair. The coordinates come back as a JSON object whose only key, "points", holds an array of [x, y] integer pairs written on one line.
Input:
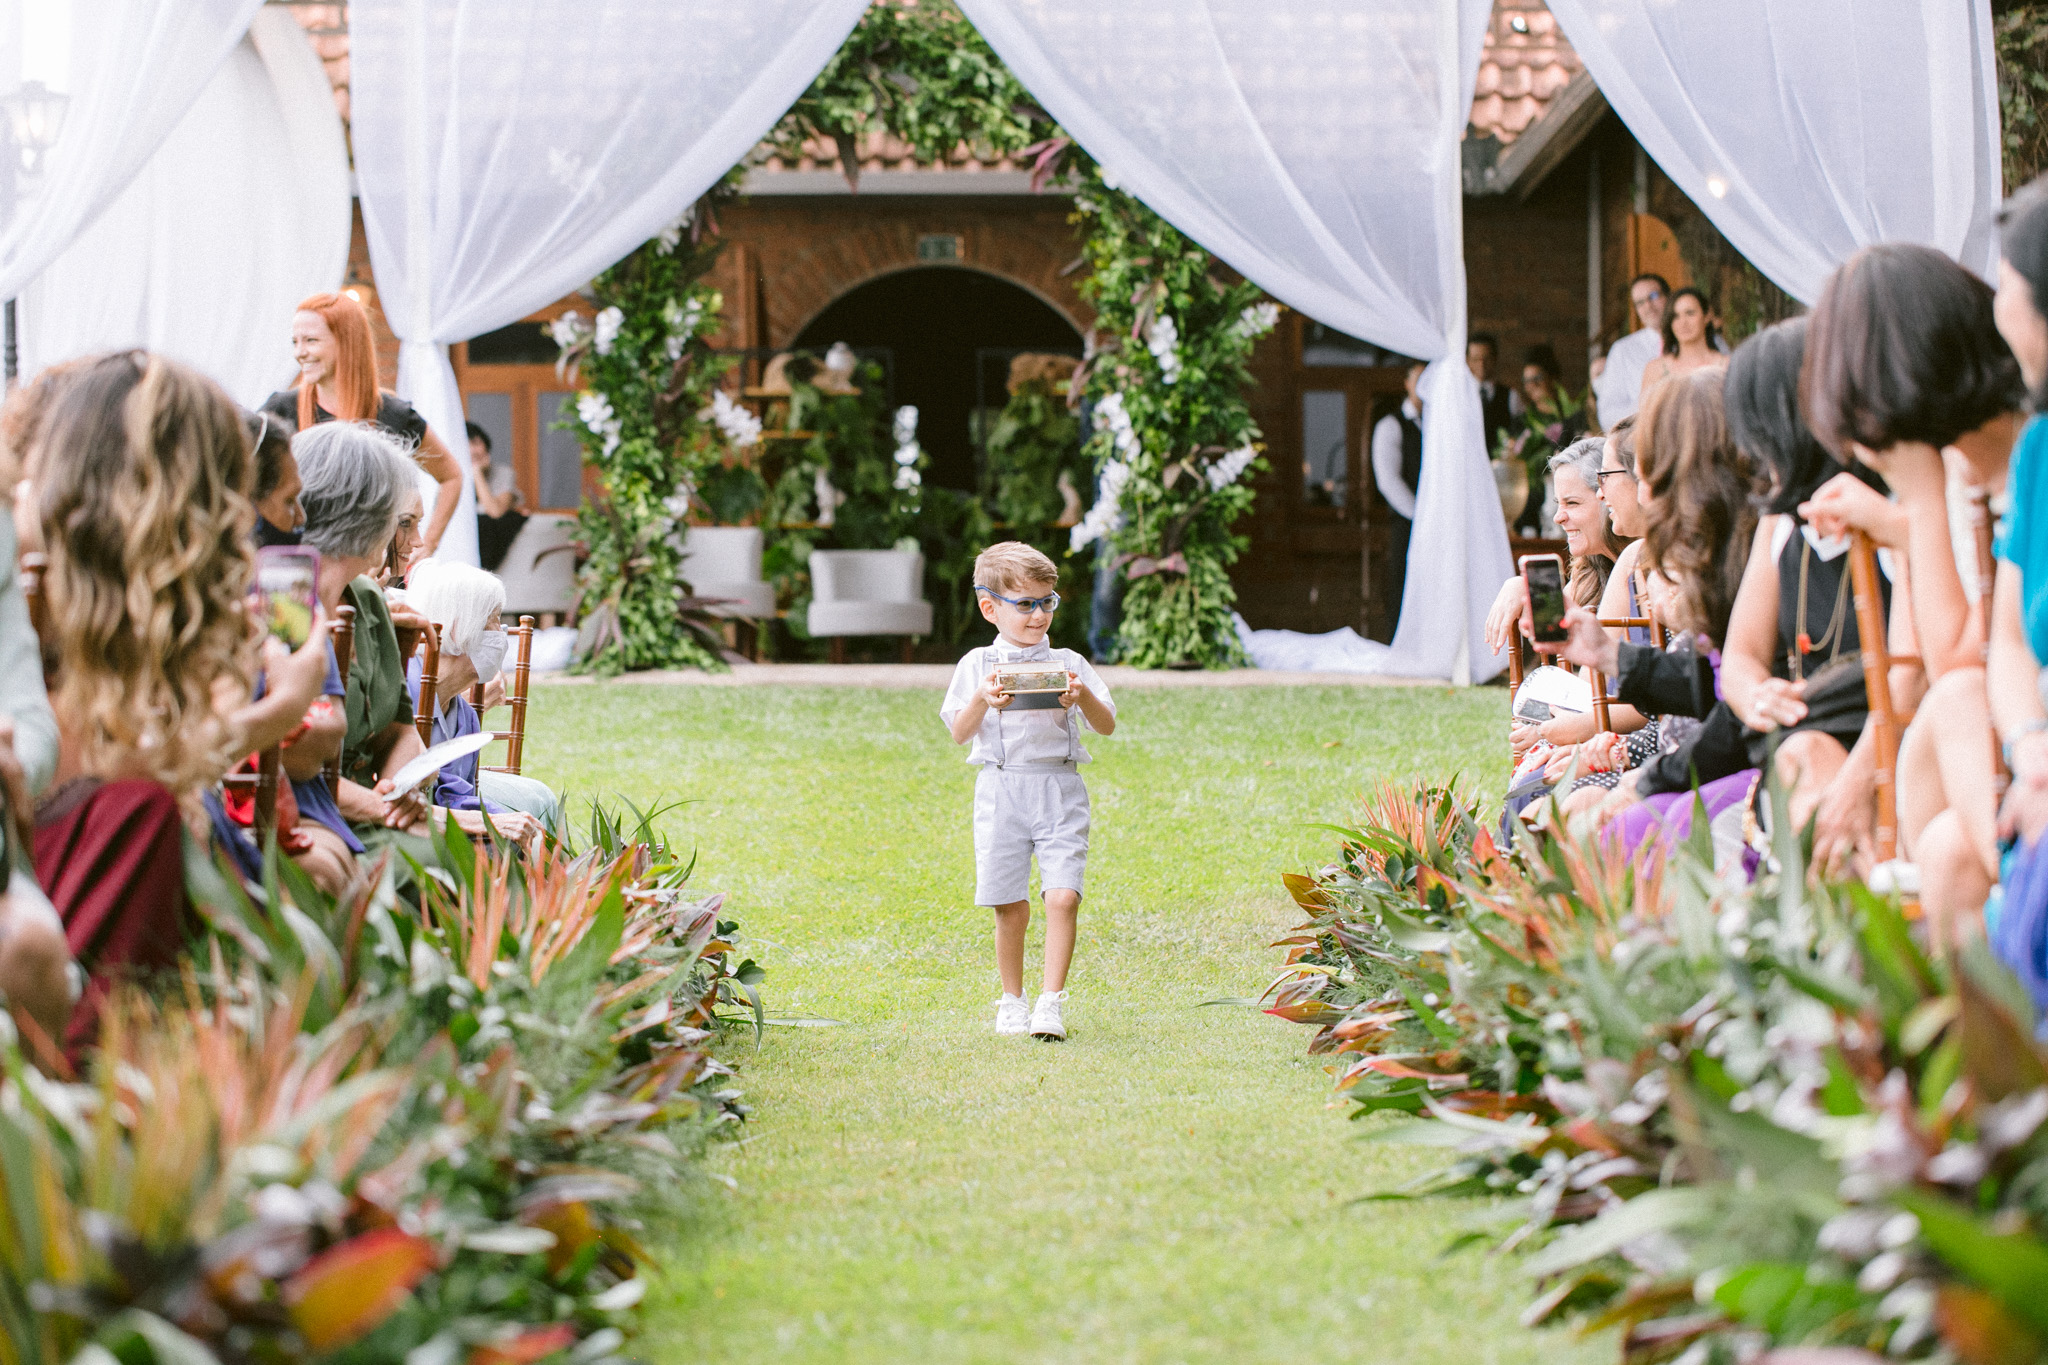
{"points": [[344, 638], [1871, 627], [1978, 510], [430, 668], [515, 697]]}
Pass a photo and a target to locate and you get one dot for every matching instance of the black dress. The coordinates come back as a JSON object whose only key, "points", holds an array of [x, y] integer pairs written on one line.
{"points": [[395, 417]]}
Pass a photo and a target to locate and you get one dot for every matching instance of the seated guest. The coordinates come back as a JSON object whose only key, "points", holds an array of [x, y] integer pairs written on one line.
{"points": [[355, 481], [1594, 546], [279, 517], [1793, 670], [141, 473], [35, 961], [498, 517], [466, 603], [312, 830], [1694, 489], [2019, 604], [1904, 363], [24, 703]]}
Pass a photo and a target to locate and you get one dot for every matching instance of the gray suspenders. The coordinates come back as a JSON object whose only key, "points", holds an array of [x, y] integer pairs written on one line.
{"points": [[1000, 752]]}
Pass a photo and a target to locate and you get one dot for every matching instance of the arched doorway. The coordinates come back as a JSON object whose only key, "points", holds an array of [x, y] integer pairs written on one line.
{"points": [[945, 335]]}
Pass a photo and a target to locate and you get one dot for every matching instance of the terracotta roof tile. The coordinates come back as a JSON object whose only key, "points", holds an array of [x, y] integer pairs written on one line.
{"points": [[1519, 74], [1525, 63]]}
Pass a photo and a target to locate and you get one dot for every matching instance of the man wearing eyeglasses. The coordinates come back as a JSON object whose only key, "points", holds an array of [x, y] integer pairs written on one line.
{"points": [[1618, 379]]}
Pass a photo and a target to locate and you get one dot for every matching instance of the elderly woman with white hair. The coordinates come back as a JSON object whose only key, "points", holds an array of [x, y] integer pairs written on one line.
{"points": [[468, 605]]}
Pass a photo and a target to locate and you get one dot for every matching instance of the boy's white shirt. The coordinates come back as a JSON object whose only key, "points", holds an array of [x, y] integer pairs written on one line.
{"points": [[1024, 736]]}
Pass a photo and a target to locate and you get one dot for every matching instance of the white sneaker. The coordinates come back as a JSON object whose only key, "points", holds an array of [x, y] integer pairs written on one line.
{"points": [[1046, 1022], [1012, 1015]]}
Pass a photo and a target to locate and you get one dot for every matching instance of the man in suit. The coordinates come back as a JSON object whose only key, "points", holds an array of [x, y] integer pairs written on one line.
{"points": [[1397, 471], [1498, 408]]}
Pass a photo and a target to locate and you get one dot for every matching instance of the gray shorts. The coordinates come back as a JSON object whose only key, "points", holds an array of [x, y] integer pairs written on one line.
{"points": [[1018, 815]]}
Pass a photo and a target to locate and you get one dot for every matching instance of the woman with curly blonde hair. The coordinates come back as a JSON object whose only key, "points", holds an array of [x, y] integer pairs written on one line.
{"points": [[141, 473]]}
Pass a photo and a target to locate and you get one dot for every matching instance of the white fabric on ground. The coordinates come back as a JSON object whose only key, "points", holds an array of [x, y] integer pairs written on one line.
{"points": [[1316, 149], [1293, 651], [554, 649], [243, 211], [506, 153], [1806, 129], [130, 69]]}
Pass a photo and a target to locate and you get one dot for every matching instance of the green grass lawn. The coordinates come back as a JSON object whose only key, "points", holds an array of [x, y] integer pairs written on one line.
{"points": [[1174, 1183]]}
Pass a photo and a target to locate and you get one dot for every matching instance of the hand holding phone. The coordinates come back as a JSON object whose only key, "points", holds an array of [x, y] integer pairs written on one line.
{"points": [[1543, 575], [288, 588]]}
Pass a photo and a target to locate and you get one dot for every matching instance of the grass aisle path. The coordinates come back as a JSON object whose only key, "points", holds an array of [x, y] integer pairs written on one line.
{"points": [[1172, 1184]]}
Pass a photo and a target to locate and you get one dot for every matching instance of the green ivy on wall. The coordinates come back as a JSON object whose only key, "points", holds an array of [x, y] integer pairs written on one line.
{"points": [[1035, 461], [1173, 437], [645, 414]]}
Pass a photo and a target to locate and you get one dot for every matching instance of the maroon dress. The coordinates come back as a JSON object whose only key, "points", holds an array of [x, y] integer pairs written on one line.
{"points": [[110, 856]]}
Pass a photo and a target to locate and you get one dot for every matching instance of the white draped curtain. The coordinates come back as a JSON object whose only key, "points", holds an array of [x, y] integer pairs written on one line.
{"points": [[129, 70], [1806, 129], [1315, 148], [240, 213], [507, 153]]}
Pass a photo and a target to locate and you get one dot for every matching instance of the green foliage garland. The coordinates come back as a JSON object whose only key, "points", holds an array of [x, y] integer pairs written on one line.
{"points": [[1035, 442], [1173, 435], [646, 382], [921, 72]]}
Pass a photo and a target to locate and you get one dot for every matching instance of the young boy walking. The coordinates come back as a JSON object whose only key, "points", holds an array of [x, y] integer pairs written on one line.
{"points": [[1029, 798]]}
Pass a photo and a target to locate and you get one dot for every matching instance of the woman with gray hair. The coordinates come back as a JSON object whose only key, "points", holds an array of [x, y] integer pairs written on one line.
{"points": [[353, 479]]}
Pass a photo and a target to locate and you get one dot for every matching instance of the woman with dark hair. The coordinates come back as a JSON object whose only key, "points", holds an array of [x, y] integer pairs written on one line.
{"points": [[1794, 663], [1692, 339], [279, 517], [2019, 603], [1905, 374]]}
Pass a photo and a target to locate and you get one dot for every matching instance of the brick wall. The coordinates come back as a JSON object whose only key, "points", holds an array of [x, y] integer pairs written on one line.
{"points": [[799, 255]]}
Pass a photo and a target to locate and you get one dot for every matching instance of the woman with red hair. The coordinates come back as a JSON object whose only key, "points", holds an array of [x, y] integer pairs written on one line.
{"points": [[338, 379]]}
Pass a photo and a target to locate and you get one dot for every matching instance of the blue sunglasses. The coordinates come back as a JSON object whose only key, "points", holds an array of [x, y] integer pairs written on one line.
{"points": [[1049, 603]]}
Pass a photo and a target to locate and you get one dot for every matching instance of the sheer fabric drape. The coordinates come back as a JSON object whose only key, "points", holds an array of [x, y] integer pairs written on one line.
{"points": [[1806, 129], [507, 153], [242, 212], [129, 69], [1315, 148]]}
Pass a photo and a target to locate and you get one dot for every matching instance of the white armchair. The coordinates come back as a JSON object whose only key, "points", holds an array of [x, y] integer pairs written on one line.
{"points": [[868, 592], [540, 569], [725, 562]]}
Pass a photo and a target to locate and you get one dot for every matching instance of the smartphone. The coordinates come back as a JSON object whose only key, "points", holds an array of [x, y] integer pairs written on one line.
{"points": [[288, 586], [1543, 575]]}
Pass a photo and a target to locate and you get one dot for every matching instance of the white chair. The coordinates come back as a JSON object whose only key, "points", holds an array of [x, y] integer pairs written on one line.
{"points": [[868, 592], [540, 568], [725, 561]]}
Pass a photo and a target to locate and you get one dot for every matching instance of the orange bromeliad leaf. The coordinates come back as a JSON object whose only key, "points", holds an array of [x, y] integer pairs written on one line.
{"points": [[527, 1347], [1306, 893], [346, 1291]]}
